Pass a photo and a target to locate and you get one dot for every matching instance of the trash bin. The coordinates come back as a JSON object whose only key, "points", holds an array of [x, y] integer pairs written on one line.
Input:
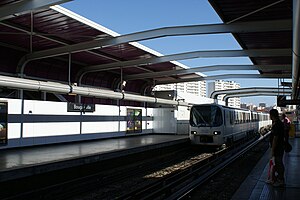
{"points": [[292, 131]]}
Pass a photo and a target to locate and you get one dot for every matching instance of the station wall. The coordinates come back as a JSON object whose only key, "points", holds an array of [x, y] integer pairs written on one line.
{"points": [[31, 122]]}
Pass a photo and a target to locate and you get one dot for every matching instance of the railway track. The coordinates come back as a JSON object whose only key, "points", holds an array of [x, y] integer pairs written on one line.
{"points": [[78, 181], [179, 185], [168, 175]]}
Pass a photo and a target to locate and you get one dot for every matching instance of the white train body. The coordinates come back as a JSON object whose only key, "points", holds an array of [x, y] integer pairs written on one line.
{"points": [[215, 125]]}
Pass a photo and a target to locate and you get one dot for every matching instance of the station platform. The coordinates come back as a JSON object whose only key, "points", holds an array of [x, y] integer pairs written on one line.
{"points": [[255, 187], [29, 161]]}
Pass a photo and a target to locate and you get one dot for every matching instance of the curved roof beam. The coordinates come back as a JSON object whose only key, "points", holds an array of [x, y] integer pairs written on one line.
{"points": [[256, 26], [26, 6], [184, 56], [215, 94], [225, 76], [207, 69], [227, 97]]}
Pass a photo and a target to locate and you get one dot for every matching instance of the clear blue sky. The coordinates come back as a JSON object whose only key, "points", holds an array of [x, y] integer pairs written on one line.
{"points": [[136, 15]]}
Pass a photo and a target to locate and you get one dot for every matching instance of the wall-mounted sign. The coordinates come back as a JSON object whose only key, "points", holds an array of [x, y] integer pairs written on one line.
{"points": [[3, 123], [79, 107]]}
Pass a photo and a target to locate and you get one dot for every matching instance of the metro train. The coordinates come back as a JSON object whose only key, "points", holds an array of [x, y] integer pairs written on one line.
{"points": [[216, 125]]}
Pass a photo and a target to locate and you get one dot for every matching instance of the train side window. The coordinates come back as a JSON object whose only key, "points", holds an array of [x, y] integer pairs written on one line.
{"points": [[228, 117]]}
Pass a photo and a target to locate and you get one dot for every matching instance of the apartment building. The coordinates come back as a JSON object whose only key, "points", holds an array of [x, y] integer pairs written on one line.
{"points": [[225, 85], [197, 88]]}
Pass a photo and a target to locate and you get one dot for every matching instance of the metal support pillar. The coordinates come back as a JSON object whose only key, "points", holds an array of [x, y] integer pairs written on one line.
{"points": [[296, 41]]}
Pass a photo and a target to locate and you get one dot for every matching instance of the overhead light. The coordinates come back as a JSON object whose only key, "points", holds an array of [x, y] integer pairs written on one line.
{"points": [[124, 83]]}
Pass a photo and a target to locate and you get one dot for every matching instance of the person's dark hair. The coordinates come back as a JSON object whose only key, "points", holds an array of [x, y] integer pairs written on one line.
{"points": [[274, 113]]}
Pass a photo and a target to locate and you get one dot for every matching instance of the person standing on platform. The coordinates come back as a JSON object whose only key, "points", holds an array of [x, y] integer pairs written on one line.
{"points": [[277, 145], [287, 126]]}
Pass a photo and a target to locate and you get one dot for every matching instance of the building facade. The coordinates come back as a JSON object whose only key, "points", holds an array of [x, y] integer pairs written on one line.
{"points": [[225, 85], [196, 88]]}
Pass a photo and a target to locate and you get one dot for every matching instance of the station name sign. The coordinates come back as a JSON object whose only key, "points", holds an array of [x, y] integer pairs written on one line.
{"points": [[79, 107]]}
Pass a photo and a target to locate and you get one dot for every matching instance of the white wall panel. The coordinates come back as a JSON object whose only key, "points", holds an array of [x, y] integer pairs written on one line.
{"points": [[106, 110], [41, 132], [164, 120], [14, 105], [123, 126], [150, 112], [14, 130], [123, 110], [47, 108], [99, 127], [150, 125], [50, 129], [183, 113]]}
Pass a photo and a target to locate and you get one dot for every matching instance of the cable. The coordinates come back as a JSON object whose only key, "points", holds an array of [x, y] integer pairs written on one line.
{"points": [[255, 11]]}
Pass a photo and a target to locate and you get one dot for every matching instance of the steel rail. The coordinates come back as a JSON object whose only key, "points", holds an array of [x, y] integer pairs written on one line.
{"points": [[185, 191], [170, 187]]}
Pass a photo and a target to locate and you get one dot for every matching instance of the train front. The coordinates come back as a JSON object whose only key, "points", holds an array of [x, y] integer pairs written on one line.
{"points": [[206, 125]]}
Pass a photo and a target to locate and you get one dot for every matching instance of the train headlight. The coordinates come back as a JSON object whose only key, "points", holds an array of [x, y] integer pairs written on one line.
{"points": [[193, 132], [217, 132]]}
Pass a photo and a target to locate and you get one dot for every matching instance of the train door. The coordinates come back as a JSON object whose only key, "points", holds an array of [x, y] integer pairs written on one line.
{"points": [[228, 122]]}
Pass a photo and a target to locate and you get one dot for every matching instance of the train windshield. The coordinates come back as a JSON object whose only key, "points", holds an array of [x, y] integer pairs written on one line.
{"points": [[206, 115]]}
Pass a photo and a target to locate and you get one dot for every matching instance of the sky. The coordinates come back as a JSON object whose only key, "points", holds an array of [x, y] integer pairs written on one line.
{"points": [[131, 16]]}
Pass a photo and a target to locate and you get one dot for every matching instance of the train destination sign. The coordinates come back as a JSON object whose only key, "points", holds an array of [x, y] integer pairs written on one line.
{"points": [[79, 107]]}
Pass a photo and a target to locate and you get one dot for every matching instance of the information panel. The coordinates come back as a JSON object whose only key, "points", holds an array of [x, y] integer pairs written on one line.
{"points": [[3, 123], [134, 120]]}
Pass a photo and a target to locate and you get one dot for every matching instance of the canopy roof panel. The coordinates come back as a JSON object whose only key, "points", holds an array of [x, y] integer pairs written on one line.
{"points": [[30, 43], [57, 27], [231, 11]]}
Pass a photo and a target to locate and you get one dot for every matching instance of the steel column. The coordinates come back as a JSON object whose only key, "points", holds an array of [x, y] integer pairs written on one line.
{"points": [[296, 41]]}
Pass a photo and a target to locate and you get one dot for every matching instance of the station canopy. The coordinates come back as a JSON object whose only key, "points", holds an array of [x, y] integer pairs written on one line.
{"points": [[233, 11], [34, 45]]}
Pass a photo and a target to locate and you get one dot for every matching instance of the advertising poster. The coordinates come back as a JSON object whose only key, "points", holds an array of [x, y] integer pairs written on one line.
{"points": [[134, 120], [3, 123]]}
